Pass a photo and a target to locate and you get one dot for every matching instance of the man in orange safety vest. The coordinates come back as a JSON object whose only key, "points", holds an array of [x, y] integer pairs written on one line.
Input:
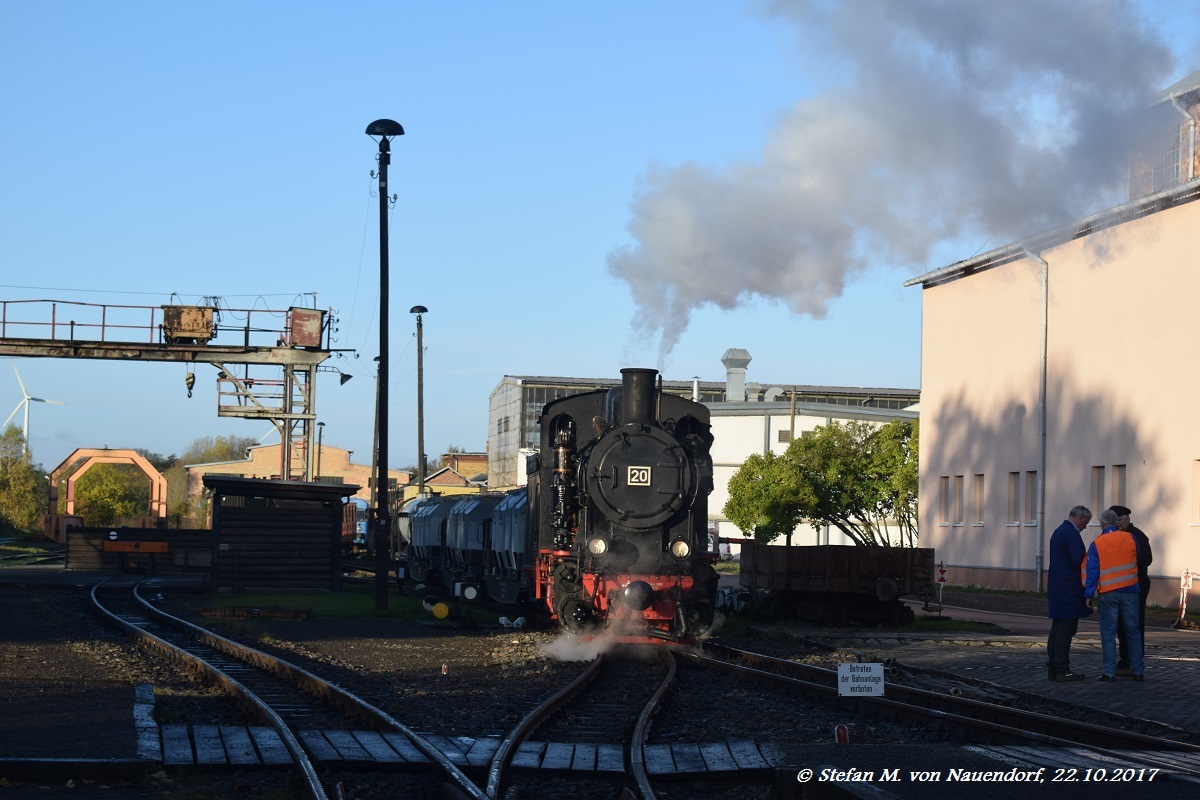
{"points": [[1111, 575]]}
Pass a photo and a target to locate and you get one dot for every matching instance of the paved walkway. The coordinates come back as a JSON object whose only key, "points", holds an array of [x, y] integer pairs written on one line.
{"points": [[1169, 695]]}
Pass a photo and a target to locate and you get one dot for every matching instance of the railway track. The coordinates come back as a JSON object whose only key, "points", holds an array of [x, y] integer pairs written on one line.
{"points": [[988, 727], [289, 699], [603, 716]]}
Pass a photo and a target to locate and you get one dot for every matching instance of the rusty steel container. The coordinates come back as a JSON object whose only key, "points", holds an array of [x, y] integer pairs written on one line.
{"points": [[187, 324]]}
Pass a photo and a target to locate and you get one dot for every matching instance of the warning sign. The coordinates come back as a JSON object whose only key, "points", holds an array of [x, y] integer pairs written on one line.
{"points": [[941, 570], [862, 680]]}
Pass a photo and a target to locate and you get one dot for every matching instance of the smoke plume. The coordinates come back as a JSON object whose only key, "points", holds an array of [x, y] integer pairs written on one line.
{"points": [[949, 118]]}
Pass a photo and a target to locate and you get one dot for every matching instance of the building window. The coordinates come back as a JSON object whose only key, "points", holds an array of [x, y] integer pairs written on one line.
{"points": [[1097, 496], [1031, 497], [944, 499], [1165, 164], [977, 500], [1118, 487], [499, 426], [1014, 498], [958, 500], [506, 424]]}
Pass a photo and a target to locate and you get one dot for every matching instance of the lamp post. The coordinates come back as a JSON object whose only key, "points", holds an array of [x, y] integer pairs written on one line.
{"points": [[419, 310], [383, 130], [320, 446]]}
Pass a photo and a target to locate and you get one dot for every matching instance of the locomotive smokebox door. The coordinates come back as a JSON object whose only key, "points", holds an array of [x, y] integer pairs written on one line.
{"points": [[639, 477]]}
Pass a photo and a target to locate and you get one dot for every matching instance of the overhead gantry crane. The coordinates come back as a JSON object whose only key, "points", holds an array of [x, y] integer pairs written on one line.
{"points": [[295, 341]]}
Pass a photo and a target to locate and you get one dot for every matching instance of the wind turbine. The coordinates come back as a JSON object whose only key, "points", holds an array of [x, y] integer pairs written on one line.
{"points": [[26, 399]]}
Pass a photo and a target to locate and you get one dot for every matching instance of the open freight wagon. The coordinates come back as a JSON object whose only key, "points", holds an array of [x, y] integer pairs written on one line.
{"points": [[837, 584]]}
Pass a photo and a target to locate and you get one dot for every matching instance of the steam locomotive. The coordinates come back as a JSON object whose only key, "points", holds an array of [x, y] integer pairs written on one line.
{"points": [[622, 504], [615, 512]]}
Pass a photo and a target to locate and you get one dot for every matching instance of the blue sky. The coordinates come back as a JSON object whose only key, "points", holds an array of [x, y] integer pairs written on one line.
{"points": [[581, 187]]}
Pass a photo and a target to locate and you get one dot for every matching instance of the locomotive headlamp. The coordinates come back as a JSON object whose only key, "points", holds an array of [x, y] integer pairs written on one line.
{"points": [[597, 545], [680, 548]]}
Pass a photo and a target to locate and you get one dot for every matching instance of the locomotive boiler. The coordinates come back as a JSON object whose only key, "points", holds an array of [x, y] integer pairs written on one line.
{"points": [[621, 485]]}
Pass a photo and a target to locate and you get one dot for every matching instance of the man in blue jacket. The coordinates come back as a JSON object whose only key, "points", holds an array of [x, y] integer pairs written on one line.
{"points": [[1064, 593]]}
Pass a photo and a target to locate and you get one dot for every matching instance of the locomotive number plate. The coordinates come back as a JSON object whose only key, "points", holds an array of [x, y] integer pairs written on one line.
{"points": [[639, 476]]}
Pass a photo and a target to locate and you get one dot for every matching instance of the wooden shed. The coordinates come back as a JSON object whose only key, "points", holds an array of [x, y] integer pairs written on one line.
{"points": [[277, 534]]}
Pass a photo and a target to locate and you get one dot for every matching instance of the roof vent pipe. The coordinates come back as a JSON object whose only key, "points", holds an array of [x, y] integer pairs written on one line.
{"points": [[735, 360]]}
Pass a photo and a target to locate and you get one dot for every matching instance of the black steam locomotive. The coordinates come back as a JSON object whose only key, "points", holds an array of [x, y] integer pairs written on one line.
{"points": [[622, 512], [611, 531]]}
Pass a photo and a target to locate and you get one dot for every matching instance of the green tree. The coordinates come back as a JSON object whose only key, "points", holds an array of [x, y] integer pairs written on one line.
{"points": [[764, 498], [157, 460], [109, 493], [855, 476], [894, 464], [23, 487]]}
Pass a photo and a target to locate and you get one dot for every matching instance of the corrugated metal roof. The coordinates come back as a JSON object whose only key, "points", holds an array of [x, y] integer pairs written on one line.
{"points": [[715, 386], [1189, 84], [1144, 206]]}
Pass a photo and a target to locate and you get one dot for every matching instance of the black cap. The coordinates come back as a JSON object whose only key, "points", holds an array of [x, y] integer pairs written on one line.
{"points": [[1120, 511]]}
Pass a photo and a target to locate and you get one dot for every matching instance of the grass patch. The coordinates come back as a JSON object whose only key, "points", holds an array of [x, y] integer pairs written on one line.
{"points": [[355, 601], [728, 567], [17, 543]]}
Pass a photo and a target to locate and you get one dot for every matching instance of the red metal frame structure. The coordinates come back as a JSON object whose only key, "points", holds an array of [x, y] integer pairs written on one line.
{"points": [[92, 457]]}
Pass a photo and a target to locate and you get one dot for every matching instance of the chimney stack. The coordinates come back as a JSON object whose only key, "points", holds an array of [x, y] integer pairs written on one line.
{"points": [[735, 360]]}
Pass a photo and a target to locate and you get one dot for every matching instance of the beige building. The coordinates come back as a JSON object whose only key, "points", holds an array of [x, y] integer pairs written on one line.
{"points": [[1055, 372], [332, 465]]}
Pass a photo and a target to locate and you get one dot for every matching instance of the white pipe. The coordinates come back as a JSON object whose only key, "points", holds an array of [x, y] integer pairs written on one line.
{"points": [[1041, 475]]}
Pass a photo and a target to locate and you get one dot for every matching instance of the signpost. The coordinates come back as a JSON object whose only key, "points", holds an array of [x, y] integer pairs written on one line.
{"points": [[860, 680]]}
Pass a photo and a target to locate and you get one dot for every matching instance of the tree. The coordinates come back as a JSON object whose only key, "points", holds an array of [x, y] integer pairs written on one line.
{"points": [[895, 467], [764, 499], [23, 486], [109, 493], [157, 460], [854, 476]]}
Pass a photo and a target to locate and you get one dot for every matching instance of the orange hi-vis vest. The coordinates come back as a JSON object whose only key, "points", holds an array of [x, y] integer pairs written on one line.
{"points": [[1117, 553]]}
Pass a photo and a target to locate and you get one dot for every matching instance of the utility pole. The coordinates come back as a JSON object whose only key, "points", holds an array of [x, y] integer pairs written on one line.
{"points": [[419, 310], [386, 130]]}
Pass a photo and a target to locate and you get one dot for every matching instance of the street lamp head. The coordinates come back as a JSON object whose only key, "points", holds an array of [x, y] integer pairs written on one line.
{"points": [[320, 424], [385, 129], [418, 310]]}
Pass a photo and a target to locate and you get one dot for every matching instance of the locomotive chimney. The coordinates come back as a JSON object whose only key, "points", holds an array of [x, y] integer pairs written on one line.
{"points": [[637, 386]]}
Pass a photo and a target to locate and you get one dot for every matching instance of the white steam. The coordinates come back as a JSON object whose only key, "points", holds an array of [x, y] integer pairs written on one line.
{"points": [[568, 647], [956, 117]]}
